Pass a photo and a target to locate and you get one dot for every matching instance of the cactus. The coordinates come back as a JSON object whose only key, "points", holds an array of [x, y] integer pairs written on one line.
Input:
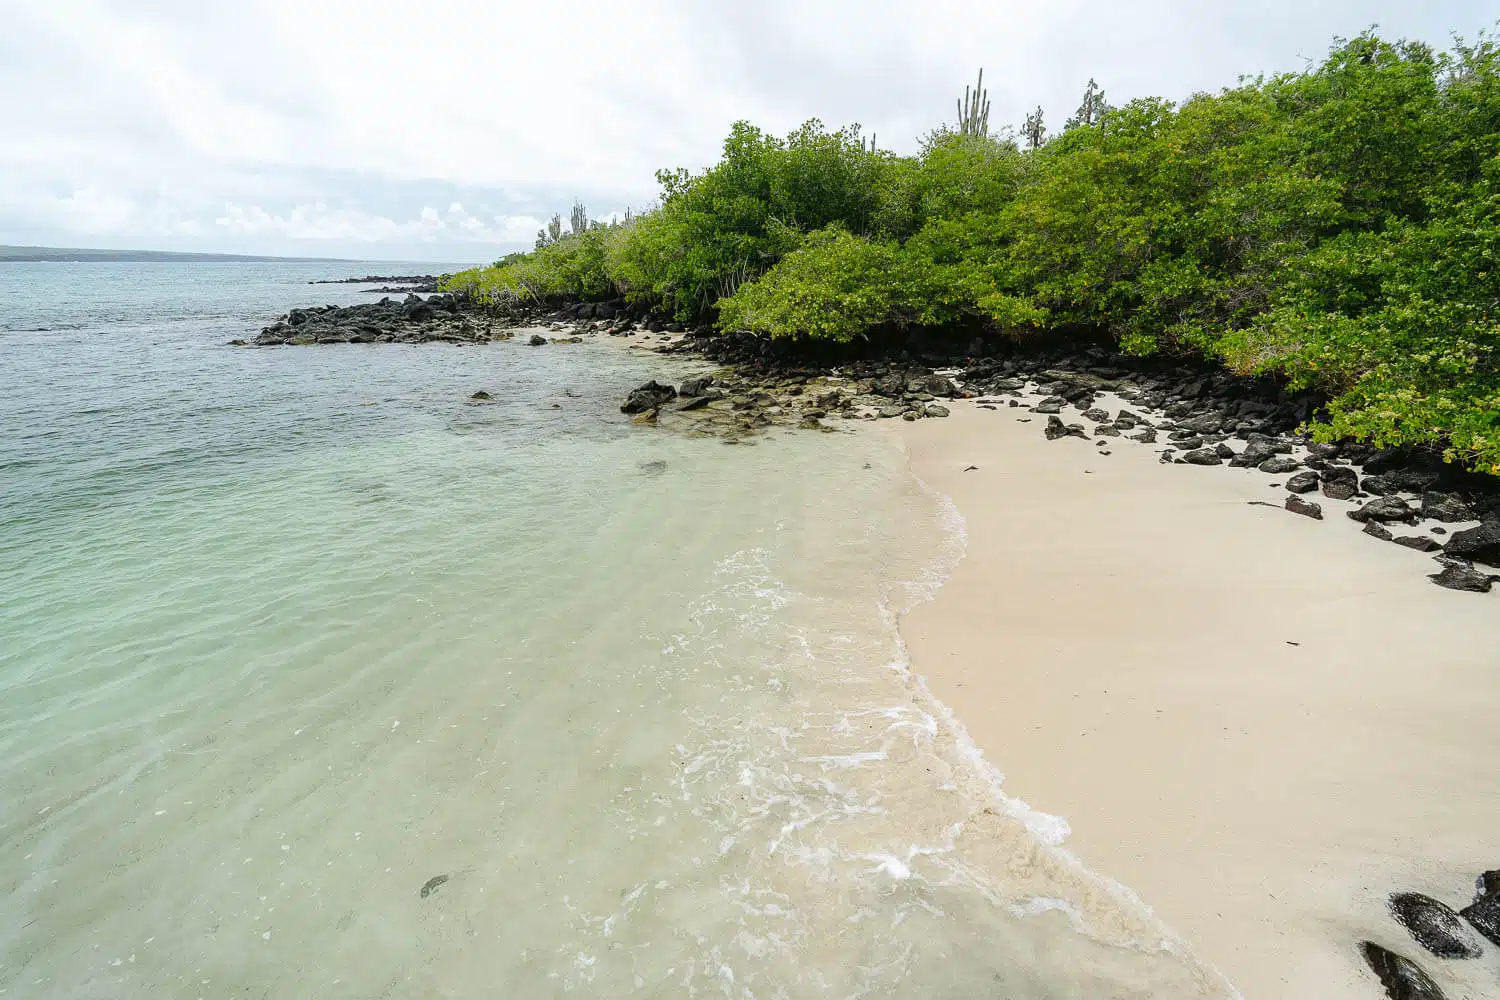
{"points": [[974, 110], [580, 218], [1034, 131]]}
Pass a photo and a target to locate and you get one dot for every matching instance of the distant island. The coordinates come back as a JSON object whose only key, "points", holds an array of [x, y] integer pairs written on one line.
{"points": [[10, 254]]}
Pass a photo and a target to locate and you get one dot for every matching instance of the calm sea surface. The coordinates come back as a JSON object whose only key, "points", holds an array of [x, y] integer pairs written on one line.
{"points": [[318, 680]]}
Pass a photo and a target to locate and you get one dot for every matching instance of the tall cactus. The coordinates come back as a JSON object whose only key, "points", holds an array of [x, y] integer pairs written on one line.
{"points": [[580, 218], [974, 109]]}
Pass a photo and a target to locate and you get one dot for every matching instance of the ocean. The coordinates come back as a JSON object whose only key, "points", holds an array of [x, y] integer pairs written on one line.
{"points": [[320, 679]]}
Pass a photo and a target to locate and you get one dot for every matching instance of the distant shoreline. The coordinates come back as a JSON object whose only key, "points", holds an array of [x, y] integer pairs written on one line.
{"points": [[71, 255]]}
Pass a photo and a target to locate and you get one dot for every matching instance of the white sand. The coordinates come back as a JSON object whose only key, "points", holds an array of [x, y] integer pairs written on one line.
{"points": [[1261, 723]]}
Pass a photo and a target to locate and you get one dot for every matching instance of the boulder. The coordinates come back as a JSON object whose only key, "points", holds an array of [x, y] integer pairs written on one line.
{"points": [[1306, 508], [1446, 507], [1419, 542], [1052, 404], [648, 397], [1484, 914], [934, 410], [1056, 429], [1209, 424], [1383, 509], [696, 386], [1201, 456], [1340, 482], [1457, 576], [1279, 465], [937, 385], [1319, 449], [481, 395], [1254, 454], [1402, 978], [1433, 925], [1097, 415], [1377, 530], [537, 340], [1303, 482], [1482, 544], [1223, 450], [1146, 436]]}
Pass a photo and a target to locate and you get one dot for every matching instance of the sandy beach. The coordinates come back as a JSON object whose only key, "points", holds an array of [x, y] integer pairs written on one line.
{"points": [[1260, 723]]}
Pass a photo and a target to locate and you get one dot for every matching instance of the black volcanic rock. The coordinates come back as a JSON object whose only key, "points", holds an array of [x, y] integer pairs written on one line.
{"points": [[1303, 482], [1457, 576], [1306, 508], [1433, 925], [1482, 544], [1383, 509], [647, 397], [1402, 978]]}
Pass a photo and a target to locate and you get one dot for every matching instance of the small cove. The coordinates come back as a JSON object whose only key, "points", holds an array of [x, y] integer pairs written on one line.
{"points": [[319, 679]]}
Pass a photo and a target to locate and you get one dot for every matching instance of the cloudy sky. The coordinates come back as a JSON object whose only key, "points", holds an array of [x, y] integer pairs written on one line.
{"points": [[448, 129]]}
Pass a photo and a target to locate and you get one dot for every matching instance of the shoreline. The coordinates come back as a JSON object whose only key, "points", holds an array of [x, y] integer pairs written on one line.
{"points": [[1262, 725]]}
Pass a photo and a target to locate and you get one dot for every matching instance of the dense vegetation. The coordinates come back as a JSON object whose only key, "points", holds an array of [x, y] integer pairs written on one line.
{"points": [[1339, 228]]}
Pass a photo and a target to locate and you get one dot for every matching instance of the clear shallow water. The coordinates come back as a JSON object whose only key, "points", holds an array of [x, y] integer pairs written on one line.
{"points": [[287, 634]]}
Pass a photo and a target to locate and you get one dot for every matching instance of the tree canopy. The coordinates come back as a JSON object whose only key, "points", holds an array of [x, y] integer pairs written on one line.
{"points": [[1337, 227]]}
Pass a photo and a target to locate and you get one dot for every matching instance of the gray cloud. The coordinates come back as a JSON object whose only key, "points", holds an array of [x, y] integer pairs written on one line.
{"points": [[355, 128]]}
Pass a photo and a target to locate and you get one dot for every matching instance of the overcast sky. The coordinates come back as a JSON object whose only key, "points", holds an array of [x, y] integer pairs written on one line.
{"points": [[449, 129]]}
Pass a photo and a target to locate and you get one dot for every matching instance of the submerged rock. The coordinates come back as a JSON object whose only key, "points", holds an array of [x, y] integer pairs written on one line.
{"points": [[648, 397], [1402, 978], [1433, 925], [537, 340], [696, 386]]}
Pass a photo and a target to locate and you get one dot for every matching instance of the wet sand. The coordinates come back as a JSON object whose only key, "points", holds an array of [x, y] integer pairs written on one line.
{"points": [[1260, 723]]}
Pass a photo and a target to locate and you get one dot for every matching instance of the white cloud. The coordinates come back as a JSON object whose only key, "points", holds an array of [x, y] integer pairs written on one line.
{"points": [[319, 222], [142, 119]]}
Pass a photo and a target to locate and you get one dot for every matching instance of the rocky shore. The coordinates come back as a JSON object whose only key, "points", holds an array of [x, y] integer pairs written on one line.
{"points": [[1190, 413], [399, 283]]}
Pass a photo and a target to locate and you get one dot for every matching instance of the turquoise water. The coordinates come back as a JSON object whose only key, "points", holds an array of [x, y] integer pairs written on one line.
{"points": [[289, 636]]}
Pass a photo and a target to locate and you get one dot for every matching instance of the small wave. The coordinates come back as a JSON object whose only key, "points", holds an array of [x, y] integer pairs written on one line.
{"points": [[1049, 832]]}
